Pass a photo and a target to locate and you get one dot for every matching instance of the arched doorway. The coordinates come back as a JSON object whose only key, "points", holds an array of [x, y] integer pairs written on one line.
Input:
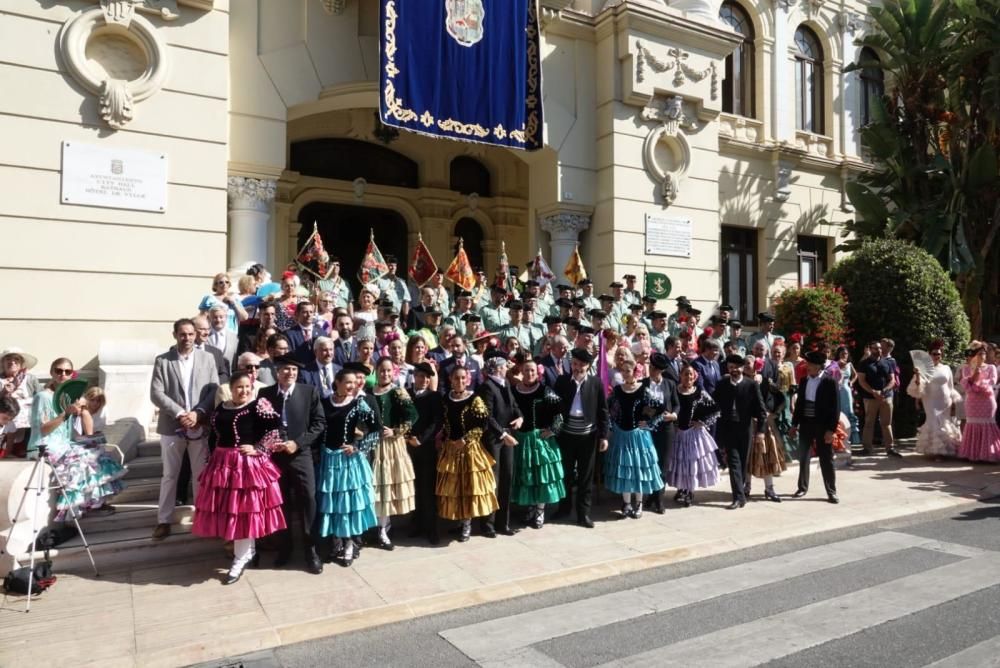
{"points": [[345, 230]]}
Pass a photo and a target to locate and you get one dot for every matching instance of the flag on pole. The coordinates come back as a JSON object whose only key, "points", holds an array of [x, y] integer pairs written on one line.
{"points": [[422, 266], [503, 270], [460, 271], [373, 265], [540, 270], [313, 258], [574, 269], [657, 285]]}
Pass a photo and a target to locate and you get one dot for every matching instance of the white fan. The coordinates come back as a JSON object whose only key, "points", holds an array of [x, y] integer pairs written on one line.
{"points": [[923, 364]]}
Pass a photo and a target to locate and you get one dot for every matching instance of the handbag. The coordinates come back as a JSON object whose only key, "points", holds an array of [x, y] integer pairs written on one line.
{"points": [[16, 582]]}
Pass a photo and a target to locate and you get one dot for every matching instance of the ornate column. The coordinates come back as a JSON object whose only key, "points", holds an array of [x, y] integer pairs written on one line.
{"points": [[250, 202], [850, 82], [564, 227]]}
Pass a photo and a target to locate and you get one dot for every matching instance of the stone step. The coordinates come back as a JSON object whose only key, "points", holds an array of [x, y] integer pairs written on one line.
{"points": [[145, 467], [149, 448], [139, 490], [128, 548], [134, 516]]}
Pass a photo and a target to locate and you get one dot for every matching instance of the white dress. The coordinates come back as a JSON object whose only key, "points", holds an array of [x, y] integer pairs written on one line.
{"points": [[937, 435]]}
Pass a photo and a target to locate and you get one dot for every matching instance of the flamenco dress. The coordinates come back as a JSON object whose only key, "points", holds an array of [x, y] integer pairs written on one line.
{"points": [[631, 465], [693, 463], [465, 485], [238, 495], [538, 469], [393, 475], [981, 436], [90, 476], [345, 498], [939, 435]]}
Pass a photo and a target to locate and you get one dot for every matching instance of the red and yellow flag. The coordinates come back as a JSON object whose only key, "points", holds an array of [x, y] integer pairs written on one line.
{"points": [[460, 271], [313, 258], [422, 266], [574, 269]]}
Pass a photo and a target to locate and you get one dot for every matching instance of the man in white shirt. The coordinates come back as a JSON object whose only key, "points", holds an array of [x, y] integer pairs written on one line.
{"points": [[321, 372], [183, 388], [221, 337]]}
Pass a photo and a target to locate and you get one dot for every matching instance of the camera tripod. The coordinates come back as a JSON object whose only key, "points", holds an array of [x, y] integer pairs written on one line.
{"points": [[38, 484]]}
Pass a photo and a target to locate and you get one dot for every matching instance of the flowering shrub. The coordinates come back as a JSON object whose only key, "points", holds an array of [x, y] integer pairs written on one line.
{"points": [[816, 314]]}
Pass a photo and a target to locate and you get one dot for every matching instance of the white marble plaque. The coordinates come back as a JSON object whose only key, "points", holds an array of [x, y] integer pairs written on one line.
{"points": [[668, 236], [115, 178]]}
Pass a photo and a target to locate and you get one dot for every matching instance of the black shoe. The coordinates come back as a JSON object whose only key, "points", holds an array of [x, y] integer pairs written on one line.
{"points": [[537, 523], [489, 533], [347, 561], [686, 500], [799, 493], [636, 511], [626, 511], [233, 578], [463, 538], [385, 544], [678, 495], [737, 504], [893, 452], [507, 531], [771, 496], [657, 505], [585, 522], [833, 498], [313, 563]]}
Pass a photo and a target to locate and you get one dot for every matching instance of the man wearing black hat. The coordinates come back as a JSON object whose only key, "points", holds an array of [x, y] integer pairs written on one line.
{"points": [[675, 323], [740, 403], [736, 338], [504, 419], [587, 294], [631, 294], [415, 318], [648, 306], [610, 321], [619, 307], [494, 314], [473, 325], [337, 286], [394, 288], [664, 390], [481, 290], [721, 325], [584, 433], [524, 334], [303, 426], [814, 421], [766, 332], [658, 331], [421, 446]]}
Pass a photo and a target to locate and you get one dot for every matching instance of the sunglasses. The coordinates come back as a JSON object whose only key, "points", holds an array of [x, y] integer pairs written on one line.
{"points": [[63, 372], [250, 367]]}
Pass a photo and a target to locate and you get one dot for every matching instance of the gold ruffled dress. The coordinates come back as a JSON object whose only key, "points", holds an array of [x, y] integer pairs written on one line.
{"points": [[465, 486]]}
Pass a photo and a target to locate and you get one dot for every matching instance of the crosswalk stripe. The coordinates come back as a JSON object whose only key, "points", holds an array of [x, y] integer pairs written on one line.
{"points": [[779, 635], [498, 642], [985, 654]]}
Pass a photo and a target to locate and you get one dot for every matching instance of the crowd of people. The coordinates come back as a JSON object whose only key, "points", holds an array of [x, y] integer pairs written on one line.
{"points": [[289, 401]]}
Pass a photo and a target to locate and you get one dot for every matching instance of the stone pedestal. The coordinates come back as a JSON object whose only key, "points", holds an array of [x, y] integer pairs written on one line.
{"points": [[125, 370], [564, 228], [250, 201]]}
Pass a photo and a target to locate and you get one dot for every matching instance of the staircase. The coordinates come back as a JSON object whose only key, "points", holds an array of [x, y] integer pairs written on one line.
{"points": [[122, 540]]}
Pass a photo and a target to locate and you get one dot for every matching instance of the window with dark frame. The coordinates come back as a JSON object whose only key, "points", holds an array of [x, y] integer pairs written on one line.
{"points": [[738, 81], [872, 85], [739, 270], [812, 254], [808, 81]]}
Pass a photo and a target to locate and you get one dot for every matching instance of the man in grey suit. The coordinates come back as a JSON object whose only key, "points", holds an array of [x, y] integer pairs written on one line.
{"points": [[222, 338], [183, 388]]}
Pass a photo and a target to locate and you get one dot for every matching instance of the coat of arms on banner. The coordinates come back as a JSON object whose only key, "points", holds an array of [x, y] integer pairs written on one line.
{"points": [[464, 20]]}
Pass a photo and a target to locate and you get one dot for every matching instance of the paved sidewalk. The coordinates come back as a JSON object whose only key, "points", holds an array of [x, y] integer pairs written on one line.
{"points": [[179, 614]]}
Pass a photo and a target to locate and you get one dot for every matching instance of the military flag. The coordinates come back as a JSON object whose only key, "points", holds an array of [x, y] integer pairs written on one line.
{"points": [[503, 278], [460, 271], [313, 258], [540, 270], [574, 269], [422, 266], [657, 285], [373, 265]]}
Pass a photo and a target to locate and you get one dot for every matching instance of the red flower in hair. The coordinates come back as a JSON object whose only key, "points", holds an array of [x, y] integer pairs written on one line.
{"points": [[796, 337], [288, 274], [707, 332]]}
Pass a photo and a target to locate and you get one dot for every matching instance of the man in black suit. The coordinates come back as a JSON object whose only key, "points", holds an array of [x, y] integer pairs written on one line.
{"points": [[585, 431], [710, 371], [740, 402], [505, 417], [817, 412], [663, 436], [672, 351], [345, 348], [557, 362], [322, 370], [267, 318], [303, 428], [302, 334], [459, 357], [423, 452]]}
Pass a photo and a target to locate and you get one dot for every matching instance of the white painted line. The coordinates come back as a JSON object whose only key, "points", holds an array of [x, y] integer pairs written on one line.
{"points": [[783, 634], [500, 639], [985, 654]]}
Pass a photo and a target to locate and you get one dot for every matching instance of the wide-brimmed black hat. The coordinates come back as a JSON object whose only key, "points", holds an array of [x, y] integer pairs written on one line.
{"points": [[582, 355]]}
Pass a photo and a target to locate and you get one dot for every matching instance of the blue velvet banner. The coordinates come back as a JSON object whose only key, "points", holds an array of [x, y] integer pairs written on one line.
{"points": [[463, 69]]}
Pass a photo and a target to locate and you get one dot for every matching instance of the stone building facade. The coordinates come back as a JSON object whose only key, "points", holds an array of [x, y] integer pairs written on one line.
{"points": [[702, 139]]}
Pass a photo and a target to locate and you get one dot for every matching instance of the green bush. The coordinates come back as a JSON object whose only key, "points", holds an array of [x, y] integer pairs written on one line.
{"points": [[897, 290], [816, 313]]}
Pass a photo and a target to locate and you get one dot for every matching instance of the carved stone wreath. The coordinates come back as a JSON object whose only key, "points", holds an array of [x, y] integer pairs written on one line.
{"points": [[116, 54], [673, 122]]}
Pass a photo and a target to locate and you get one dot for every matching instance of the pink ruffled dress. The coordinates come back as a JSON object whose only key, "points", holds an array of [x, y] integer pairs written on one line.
{"points": [[981, 436], [239, 496]]}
